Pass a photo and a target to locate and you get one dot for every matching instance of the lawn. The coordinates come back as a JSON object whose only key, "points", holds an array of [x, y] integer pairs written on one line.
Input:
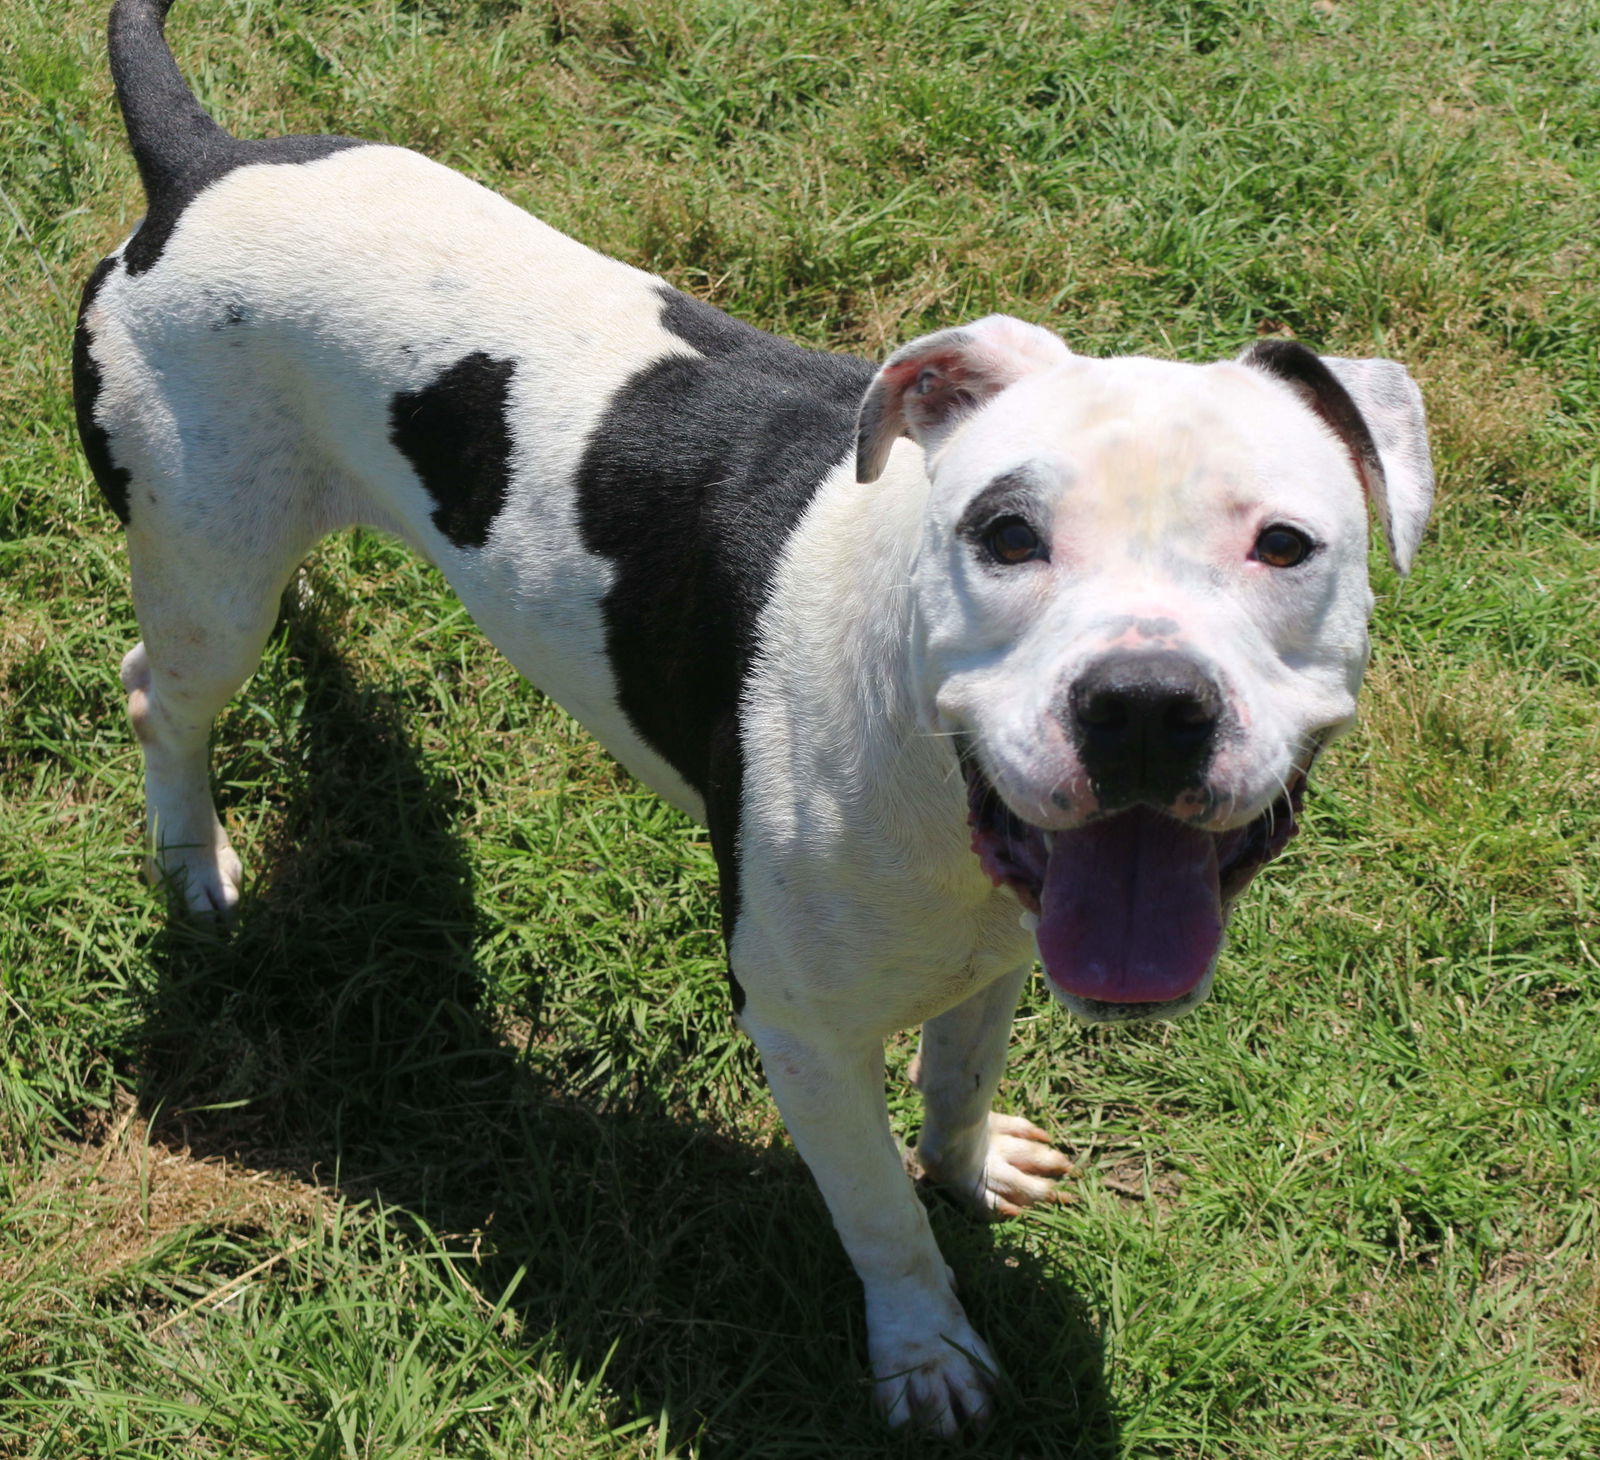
{"points": [[452, 1148]]}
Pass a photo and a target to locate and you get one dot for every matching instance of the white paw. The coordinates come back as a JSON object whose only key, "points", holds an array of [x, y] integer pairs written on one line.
{"points": [[204, 880], [939, 1380], [1020, 1168]]}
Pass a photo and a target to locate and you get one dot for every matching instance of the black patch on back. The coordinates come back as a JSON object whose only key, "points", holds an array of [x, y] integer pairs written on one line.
{"points": [[707, 329], [86, 385], [455, 434], [220, 156], [691, 485]]}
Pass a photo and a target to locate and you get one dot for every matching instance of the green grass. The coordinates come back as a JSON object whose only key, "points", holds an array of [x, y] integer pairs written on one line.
{"points": [[452, 1149]]}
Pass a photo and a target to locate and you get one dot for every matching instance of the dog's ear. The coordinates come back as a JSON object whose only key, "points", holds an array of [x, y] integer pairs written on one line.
{"points": [[1375, 408], [926, 387]]}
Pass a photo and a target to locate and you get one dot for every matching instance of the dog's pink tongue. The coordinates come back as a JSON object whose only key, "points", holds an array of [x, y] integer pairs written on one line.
{"points": [[1130, 912]]}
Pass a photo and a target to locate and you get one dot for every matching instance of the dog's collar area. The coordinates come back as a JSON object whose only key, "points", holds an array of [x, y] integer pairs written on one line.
{"points": [[1129, 908]]}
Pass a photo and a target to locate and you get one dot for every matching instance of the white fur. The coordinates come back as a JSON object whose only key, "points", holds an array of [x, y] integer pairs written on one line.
{"points": [[258, 458], [863, 909], [866, 909]]}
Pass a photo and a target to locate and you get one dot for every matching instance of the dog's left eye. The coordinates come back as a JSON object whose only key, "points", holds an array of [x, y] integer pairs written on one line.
{"points": [[1282, 547], [1011, 540]]}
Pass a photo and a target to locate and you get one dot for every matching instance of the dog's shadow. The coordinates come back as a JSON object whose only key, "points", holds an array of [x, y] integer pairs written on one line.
{"points": [[340, 1034]]}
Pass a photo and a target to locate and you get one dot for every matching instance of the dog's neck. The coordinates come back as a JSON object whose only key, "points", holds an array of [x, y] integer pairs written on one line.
{"points": [[843, 733]]}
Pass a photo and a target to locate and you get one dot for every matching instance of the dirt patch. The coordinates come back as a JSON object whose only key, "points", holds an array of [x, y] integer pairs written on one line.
{"points": [[117, 1201], [1134, 1179]]}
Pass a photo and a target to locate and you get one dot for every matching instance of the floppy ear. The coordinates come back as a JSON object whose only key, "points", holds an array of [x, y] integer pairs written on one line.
{"points": [[1375, 408], [925, 388]]}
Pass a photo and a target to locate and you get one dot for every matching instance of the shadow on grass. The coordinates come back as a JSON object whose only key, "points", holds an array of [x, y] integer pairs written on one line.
{"points": [[340, 1034]]}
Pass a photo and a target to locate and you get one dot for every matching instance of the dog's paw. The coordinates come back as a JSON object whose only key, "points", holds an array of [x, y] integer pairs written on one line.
{"points": [[202, 881], [942, 1382], [1020, 1169]]}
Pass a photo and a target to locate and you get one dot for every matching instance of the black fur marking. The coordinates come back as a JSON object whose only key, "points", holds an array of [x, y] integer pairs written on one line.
{"points": [[1322, 391], [86, 384], [691, 484], [455, 434], [180, 150], [716, 335], [167, 127], [1016, 493]]}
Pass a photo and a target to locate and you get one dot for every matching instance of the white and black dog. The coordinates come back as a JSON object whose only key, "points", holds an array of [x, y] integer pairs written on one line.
{"points": [[993, 651]]}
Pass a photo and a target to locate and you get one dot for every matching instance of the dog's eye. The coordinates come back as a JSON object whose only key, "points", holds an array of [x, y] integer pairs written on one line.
{"points": [[1282, 547], [1011, 541]]}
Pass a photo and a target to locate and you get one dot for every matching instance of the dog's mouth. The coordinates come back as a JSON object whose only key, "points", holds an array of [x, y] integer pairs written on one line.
{"points": [[1131, 906]]}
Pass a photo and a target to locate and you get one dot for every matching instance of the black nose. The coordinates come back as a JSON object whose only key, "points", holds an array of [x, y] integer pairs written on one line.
{"points": [[1145, 723]]}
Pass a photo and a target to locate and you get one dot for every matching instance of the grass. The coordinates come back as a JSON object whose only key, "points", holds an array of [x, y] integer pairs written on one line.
{"points": [[452, 1148]]}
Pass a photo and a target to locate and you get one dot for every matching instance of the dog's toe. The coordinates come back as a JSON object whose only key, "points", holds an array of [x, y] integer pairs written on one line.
{"points": [[1020, 1169], [203, 882], [944, 1387]]}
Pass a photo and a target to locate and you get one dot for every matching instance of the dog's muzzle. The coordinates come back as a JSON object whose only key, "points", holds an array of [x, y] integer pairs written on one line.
{"points": [[1128, 907]]}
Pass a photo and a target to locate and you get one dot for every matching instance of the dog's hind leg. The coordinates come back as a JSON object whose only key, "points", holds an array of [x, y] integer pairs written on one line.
{"points": [[205, 612], [997, 1164]]}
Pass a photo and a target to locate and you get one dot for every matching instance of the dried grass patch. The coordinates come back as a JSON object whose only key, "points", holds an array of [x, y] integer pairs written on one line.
{"points": [[1484, 407], [1585, 1316], [1480, 730], [121, 1198], [24, 633]]}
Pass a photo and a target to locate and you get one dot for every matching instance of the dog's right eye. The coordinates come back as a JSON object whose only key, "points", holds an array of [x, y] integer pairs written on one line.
{"points": [[1279, 546], [1010, 540]]}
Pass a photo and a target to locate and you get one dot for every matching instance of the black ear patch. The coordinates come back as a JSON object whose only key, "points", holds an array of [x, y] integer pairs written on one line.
{"points": [[86, 386], [455, 433], [1321, 390]]}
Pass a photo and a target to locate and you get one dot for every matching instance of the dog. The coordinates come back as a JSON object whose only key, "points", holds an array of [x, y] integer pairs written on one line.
{"points": [[991, 651]]}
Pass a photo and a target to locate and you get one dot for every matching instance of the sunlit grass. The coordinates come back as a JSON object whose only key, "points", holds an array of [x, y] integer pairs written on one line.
{"points": [[452, 1149]]}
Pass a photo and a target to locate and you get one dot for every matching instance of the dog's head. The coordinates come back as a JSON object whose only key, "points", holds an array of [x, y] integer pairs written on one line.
{"points": [[1142, 610]]}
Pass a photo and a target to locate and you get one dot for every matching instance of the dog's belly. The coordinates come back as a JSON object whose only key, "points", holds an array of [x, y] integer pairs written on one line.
{"points": [[544, 613]]}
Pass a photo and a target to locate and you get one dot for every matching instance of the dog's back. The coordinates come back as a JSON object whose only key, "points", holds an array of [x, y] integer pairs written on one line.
{"points": [[313, 332]]}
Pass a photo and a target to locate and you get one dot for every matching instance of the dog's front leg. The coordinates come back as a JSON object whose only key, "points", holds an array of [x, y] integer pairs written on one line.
{"points": [[996, 1164], [929, 1364]]}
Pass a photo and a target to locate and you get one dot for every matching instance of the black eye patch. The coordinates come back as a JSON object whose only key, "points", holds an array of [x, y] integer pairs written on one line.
{"points": [[1005, 520]]}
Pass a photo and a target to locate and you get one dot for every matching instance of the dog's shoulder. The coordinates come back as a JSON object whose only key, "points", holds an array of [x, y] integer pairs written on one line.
{"points": [[692, 485]]}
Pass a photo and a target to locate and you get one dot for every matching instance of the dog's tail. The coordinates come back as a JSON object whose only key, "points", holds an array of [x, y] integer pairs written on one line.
{"points": [[169, 130]]}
